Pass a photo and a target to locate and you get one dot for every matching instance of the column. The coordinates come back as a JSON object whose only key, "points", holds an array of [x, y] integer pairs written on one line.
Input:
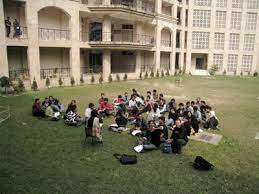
{"points": [[106, 64], [33, 43], [107, 2], [172, 62], [3, 49], [138, 32], [189, 41], [75, 49], [138, 62], [158, 7], [107, 28], [158, 45]]}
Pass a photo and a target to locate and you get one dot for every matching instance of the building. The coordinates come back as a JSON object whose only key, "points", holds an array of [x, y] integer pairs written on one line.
{"points": [[74, 38]]}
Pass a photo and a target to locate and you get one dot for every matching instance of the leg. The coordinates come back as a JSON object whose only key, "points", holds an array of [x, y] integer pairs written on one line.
{"points": [[149, 146]]}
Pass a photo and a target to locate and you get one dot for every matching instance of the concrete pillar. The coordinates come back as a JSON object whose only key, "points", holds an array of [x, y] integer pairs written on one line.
{"points": [[138, 61], [106, 2], [158, 44], [138, 32], [3, 49], [33, 43], [75, 49], [189, 40], [158, 7], [172, 62], [107, 28], [106, 64], [174, 10]]}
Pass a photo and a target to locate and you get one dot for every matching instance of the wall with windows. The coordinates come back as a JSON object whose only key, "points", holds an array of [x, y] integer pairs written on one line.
{"points": [[17, 58]]}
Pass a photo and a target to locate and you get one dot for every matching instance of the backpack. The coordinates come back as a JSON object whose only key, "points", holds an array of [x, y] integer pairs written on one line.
{"points": [[201, 164], [126, 159], [167, 148]]}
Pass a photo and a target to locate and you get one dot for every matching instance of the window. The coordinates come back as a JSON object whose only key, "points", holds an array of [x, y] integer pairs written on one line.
{"points": [[236, 20], [249, 42], [232, 63], [201, 18], [251, 21], [202, 2], [247, 62], [234, 42], [218, 61], [200, 40], [252, 4], [220, 19], [221, 3], [219, 41], [237, 3]]}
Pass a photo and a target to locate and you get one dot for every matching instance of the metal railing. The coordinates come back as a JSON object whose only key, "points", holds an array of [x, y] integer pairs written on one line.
{"points": [[91, 69], [53, 34], [166, 43], [4, 113], [19, 73], [118, 38], [17, 32], [54, 72], [136, 5]]}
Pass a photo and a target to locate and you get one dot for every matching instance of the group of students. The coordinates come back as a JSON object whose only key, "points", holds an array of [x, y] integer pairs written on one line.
{"points": [[157, 122]]}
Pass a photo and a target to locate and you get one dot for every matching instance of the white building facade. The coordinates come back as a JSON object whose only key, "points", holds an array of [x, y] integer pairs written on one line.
{"points": [[80, 38]]}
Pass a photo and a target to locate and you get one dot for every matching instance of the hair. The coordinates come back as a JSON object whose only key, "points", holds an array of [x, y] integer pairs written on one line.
{"points": [[148, 92], [105, 99], [173, 99], [102, 94], [154, 90], [36, 99], [134, 90], [50, 96], [181, 104], [192, 102], [120, 96], [188, 102], [208, 107], [195, 108], [125, 93], [161, 95], [203, 102], [162, 118], [90, 105]]}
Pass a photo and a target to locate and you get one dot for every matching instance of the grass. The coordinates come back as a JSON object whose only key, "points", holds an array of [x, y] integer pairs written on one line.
{"points": [[47, 157]]}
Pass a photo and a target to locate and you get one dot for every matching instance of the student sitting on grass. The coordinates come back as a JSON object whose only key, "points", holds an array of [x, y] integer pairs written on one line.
{"points": [[73, 119], [118, 104], [55, 104], [178, 138], [45, 103], [164, 128], [155, 95], [140, 123], [171, 104], [106, 109], [154, 114], [94, 126], [162, 106], [180, 111], [211, 119], [72, 106], [121, 122], [51, 114], [126, 98], [172, 115], [37, 109]]}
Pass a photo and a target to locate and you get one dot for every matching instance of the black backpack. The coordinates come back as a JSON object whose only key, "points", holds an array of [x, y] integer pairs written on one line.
{"points": [[126, 159], [201, 164]]}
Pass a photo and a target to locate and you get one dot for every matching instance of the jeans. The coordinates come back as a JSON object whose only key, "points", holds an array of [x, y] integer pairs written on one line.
{"points": [[149, 146]]}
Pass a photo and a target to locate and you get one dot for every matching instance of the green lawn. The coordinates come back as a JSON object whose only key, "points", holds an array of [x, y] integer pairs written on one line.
{"points": [[38, 156]]}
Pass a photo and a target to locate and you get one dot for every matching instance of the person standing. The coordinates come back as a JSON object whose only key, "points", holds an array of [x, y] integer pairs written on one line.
{"points": [[8, 26], [17, 29]]}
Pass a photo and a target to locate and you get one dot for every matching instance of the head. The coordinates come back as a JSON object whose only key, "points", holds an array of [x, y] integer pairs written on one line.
{"points": [[203, 102], [105, 100], [133, 97], [162, 120], [154, 91], [8, 18], [91, 105], [161, 96], [172, 110], [195, 108], [46, 98], [172, 100], [178, 123], [134, 91], [148, 98], [126, 94], [73, 102], [188, 103], [37, 100], [119, 97], [148, 93], [189, 113], [192, 103], [208, 108], [102, 95], [181, 105], [152, 123], [198, 99], [51, 98]]}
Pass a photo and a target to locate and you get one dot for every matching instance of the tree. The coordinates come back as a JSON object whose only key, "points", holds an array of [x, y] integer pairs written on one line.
{"points": [[146, 75], [101, 79], [167, 72], [34, 85], [47, 82], [118, 77], [5, 82], [125, 77], [110, 78], [157, 73], [72, 81], [152, 73], [60, 82], [92, 79], [21, 85], [82, 79]]}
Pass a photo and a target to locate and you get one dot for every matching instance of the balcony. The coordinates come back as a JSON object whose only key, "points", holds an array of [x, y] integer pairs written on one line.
{"points": [[166, 43], [19, 73], [53, 34], [54, 72], [118, 39]]}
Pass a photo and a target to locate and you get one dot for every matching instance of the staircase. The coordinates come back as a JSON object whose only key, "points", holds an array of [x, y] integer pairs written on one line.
{"points": [[200, 72]]}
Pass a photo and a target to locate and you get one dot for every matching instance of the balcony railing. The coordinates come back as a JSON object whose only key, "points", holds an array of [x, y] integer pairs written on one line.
{"points": [[118, 38], [19, 73], [137, 5], [91, 69], [166, 43], [53, 34], [54, 72], [19, 33]]}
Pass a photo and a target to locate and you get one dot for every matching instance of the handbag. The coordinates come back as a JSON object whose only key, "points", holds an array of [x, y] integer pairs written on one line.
{"points": [[126, 159], [201, 164], [167, 148]]}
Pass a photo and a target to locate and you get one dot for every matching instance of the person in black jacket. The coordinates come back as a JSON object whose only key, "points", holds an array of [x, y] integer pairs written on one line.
{"points": [[178, 138]]}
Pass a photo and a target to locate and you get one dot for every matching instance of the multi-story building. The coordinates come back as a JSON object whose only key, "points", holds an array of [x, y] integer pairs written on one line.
{"points": [[65, 38]]}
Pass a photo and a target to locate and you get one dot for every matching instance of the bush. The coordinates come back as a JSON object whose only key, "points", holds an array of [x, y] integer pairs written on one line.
{"points": [[140, 75], [249, 73], [34, 85], [21, 85], [157, 74], [92, 79], [213, 70], [224, 72], [110, 78], [118, 77], [146, 75], [101, 79], [255, 74], [241, 73], [125, 77], [72, 81], [152, 74], [162, 73], [47, 82], [167, 72], [60, 82], [5, 82], [82, 79]]}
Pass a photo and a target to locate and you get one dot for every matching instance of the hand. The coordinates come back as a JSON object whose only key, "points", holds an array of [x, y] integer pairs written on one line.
{"points": [[169, 141]]}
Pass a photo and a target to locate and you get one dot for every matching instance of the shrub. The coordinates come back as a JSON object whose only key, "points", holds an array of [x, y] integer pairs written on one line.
{"points": [[162, 73], [152, 74], [167, 72], [118, 77], [82, 79], [249, 73], [21, 85], [157, 74], [110, 78], [47, 82], [5, 82], [34, 85], [125, 77], [224, 72], [241, 73], [60, 82], [101, 79], [146, 75], [180, 71], [92, 79], [72, 81], [140, 75], [213, 70], [255, 74]]}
